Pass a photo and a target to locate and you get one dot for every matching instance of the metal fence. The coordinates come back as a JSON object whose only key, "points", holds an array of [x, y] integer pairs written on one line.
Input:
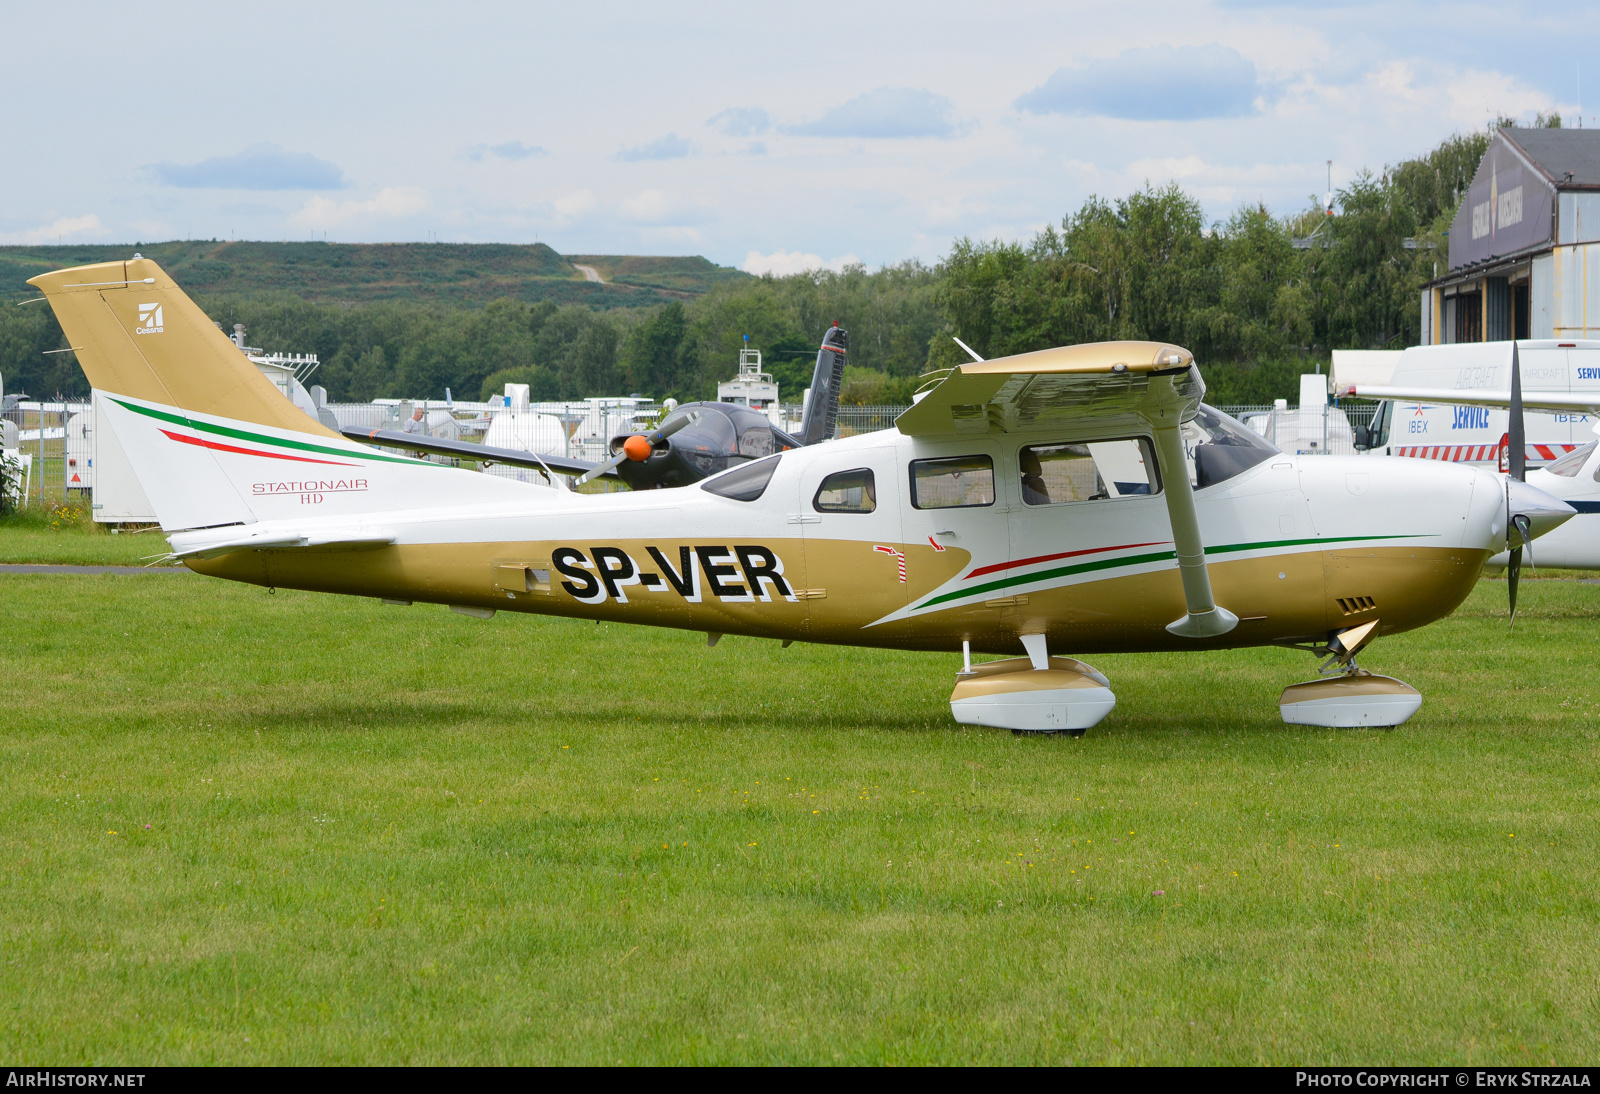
{"points": [[55, 441]]}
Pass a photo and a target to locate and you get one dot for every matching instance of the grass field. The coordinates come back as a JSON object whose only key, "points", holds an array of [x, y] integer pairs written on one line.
{"points": [[243, 827], [64, 535]]}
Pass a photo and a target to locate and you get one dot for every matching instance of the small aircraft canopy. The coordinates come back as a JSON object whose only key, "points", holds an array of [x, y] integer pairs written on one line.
{"points": [[1102, 385]]}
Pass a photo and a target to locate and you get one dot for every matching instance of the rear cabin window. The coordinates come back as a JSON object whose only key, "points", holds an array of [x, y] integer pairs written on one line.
{"points": [[955, 483], [1054, 474], [847, 492]]}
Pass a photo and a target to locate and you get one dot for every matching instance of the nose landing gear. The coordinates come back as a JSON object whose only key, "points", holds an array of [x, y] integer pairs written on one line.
{"points": [[1348, 696]]}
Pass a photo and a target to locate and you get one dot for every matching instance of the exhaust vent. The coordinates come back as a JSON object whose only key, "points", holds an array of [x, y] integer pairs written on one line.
{"points": [[1355, 605]]}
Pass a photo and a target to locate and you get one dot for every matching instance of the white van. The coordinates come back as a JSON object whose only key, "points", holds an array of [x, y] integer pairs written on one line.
{"points": [[1472, 434]]}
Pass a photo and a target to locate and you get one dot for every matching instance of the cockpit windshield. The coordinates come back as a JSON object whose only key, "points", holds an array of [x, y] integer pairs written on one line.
{"points": [[744, 483], [1217, 447]]}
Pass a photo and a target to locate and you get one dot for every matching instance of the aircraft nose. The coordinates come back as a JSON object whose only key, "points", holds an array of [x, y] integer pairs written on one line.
{"points": [[1544, 512]]}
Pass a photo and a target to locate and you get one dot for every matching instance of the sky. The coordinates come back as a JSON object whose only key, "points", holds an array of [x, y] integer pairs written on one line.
{"points": [[764, 136]]}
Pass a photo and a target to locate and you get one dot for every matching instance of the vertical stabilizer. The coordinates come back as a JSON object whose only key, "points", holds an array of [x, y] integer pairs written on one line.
{"points": [[137, 334], [211, 440], [822, 409]]}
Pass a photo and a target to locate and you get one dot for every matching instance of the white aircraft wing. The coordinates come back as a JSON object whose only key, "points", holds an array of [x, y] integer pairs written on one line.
{"points": [[1101, 383], [1557, 401], [1119, 387]]}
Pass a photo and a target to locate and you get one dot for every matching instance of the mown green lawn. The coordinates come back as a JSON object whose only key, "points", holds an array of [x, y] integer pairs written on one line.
{"points": [[65, 536], [242, 827]]}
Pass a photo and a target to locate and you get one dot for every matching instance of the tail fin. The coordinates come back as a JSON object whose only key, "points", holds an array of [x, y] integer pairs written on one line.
{"points": [[138, 334], [211, 440], [822, 410]]}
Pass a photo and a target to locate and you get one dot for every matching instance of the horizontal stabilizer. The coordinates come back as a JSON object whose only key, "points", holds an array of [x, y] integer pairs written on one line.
{"points": [[466, 450], [213, 542]]}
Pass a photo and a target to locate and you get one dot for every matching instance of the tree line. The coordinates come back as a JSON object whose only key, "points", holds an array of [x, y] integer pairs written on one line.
{"points": [[1258, 298]]}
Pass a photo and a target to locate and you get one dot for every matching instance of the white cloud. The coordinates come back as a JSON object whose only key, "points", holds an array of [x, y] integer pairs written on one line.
{"points": [[576, 204], [781, 263], [1474, 98], [262, 166], [1169, 169], [393, 203], [60, 229], [742, 121], [510, 150], [1168, 83], [670, 147], [657, 208], [886, 113]]}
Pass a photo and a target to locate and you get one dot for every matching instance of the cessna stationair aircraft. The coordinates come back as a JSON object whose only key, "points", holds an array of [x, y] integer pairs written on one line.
{"points": [[1079, 500]]}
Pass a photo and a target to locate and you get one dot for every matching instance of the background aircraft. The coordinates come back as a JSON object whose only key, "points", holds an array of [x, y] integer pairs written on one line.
{"points": [[693, 441], [1079, 499]]}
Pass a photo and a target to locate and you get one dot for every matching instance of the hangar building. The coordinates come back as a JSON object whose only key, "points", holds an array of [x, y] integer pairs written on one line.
{"points": [[1525, 244]]}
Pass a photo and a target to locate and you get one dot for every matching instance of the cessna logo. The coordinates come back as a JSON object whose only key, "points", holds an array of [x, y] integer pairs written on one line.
{"points": [[149, 319], [738, 575]]}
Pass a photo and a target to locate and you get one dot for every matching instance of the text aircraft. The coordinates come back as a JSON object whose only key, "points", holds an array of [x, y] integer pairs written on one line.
{"points": [[1078, 500], [1563, 380]]}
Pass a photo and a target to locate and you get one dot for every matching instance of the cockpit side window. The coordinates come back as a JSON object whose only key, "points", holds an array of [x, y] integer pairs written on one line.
{"points": [[1055, 474]]}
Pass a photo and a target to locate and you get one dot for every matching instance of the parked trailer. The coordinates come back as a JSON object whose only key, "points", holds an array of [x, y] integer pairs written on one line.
{"points": [[1468, 434]]}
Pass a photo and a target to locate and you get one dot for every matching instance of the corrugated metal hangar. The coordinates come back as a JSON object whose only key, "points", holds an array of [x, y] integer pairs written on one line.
{"points": [[1525, 245]]}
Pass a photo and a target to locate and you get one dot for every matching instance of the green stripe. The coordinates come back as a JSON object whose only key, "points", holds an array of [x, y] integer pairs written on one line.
{"points": [[1132, 560], [260, 438]]}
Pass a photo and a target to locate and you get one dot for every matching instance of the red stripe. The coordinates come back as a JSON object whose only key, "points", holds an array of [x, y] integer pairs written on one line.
{"points": [[251, 451], [980, 571]]}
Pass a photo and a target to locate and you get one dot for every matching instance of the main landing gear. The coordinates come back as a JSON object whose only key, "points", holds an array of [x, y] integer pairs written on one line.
{"points": [[1033, 694], [1348, 696], [1044, 694]]}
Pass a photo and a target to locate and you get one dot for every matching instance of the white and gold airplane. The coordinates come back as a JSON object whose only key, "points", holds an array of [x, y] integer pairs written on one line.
{"points": [[1079, 500]]}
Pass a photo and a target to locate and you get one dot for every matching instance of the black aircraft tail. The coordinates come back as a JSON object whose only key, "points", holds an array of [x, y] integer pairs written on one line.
{"points": [[822, 409]]}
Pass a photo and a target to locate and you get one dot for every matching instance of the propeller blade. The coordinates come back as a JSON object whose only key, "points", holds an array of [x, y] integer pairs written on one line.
{"points": [[1517, 435], [1513, 573], [1518, 528], [667, 429]]}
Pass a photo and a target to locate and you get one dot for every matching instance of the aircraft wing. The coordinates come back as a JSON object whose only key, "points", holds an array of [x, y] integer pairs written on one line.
{"points": [[1556, 401], [1115, 387], [1105, 384], [466, 450]]}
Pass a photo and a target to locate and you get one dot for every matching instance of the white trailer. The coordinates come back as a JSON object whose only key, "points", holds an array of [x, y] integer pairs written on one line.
{"points": [[1473, 434]]}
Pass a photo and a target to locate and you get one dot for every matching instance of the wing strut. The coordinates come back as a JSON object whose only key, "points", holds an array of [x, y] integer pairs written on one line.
{"points": [[1164, 408]]}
